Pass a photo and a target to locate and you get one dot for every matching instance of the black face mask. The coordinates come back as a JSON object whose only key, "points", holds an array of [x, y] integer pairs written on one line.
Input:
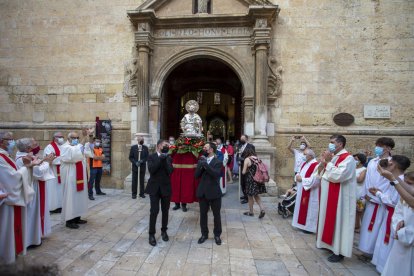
{"points": [[242, 142], [141, 142], [205, 153], [165, 149]]}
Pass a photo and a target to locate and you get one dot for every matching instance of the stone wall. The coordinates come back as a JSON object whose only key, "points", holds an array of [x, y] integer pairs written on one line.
{"points": [[62, 64]]}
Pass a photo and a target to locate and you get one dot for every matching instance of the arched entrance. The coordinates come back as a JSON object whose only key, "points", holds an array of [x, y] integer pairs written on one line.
{"points": [[215, 86]]}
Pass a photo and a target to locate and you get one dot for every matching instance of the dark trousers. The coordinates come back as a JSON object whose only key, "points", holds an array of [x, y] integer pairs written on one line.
{"points": [[135, 182], [155, 209], [243, 185], [96, 174], [215, 205]]}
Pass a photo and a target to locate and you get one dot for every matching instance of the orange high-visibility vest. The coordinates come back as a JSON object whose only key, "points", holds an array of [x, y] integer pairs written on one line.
{"points": [[97, 163]]}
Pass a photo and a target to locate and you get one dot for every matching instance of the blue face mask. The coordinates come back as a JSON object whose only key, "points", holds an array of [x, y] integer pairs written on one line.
{"points": [[11, 146], [331, 147], [378, 151], [74, 142]]}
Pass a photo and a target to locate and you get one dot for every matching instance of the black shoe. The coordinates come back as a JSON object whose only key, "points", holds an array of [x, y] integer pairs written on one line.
{"points": [[262, 214], [335, 258], [134, 197], [152, 240], [142, 196], [80, 221], [91, 198], [244, 201], [202, 239], [217, 240], [176, 207], [185, 208], [72, 225], [34, 246], [307, 232], [56, 211], [164, 236], [101, 193], [242, 197]]}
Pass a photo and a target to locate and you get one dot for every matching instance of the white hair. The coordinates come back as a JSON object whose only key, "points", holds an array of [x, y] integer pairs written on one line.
{"points": [[24, 144], [4, 134], [70, 134], [56, 134]]}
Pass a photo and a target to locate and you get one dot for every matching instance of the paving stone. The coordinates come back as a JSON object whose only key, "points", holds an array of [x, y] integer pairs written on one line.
{"points": [[271, 267]]}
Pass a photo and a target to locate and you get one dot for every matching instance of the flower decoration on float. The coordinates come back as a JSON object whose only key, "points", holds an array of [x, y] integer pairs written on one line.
{"points": [[187, 144]]}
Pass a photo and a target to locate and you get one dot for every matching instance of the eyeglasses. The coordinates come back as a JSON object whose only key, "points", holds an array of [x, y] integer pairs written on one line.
{"points": [[58, 136], [74, 137]]}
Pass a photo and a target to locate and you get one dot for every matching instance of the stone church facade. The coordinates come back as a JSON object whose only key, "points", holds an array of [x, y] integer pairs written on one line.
{"points": [[270, 69]]}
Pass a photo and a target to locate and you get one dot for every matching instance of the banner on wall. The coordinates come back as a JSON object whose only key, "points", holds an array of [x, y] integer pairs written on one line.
{"points": [[103, 131]]}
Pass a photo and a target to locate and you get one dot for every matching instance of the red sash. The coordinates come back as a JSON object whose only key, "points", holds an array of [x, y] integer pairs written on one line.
{"points": [[42, 195], [57, 153], [9, 161], [374, 215], [332, 206], [388, 225], [79, 177], [18, 227], [304, 203]]}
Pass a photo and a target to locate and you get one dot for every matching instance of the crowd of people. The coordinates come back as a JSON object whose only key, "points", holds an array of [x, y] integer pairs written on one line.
{"points": [[338, 194]]}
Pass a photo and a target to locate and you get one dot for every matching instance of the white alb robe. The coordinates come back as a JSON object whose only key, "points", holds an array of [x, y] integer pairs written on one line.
{"points": [[54, 189], [390, 198], [12, 184], [345, 212], [308, 183], [368, 237], [74, 203], [401, 258]]}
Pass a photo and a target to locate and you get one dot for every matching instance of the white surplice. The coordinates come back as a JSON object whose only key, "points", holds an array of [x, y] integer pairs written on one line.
{"points": [[345, 213], [308, 183], [54, 189], [74, 203], [401, 258], [367, 237], [390, 198], [12, 184]]}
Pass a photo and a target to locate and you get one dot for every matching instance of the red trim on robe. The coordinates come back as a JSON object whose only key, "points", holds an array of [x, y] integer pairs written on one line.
{"points": [[18, 230], [9, 161], [42, 197], [57, 153], [374, 216], [304, 202], [80, 182], [332, 206], [388, 225]]}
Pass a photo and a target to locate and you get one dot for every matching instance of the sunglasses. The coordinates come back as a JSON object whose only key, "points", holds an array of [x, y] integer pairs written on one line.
{"points": [[74, 137]]}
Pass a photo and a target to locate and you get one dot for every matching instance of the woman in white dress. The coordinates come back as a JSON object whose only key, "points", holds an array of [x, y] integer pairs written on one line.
{"points": [[360, 171]]}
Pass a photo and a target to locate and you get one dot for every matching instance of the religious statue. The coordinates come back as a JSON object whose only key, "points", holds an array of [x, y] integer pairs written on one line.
{"points": [[191, 123], [202, 6], [131, 78]]}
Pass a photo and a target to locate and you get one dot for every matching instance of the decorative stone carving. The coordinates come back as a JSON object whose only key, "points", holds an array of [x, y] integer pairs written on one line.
{"points": [[275, 78], [202, 6], [131, 77], [143, 27], [261, 23], [191, 123]]}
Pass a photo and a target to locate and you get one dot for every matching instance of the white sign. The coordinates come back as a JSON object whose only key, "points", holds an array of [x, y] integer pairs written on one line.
{"points": [[377, 112]]}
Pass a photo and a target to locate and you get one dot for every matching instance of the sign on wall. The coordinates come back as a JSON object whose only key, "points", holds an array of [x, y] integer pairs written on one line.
{"points": [[103, 131], [377, 112]]}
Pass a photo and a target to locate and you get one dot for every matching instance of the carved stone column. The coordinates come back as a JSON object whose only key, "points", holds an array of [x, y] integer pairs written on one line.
{"points": [[261, 44]]}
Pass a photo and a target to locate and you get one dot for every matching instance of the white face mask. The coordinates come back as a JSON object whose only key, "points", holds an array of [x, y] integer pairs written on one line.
{"points": [[60, 141], [97, 144], [302, 147]]}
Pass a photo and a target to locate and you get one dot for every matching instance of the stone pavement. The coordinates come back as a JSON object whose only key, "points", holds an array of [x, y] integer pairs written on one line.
{"points": [[115, 242]]}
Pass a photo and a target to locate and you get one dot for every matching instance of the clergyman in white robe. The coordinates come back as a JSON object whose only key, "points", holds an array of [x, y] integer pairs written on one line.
{"points": [[54, 186], [11, 237], [389, 198], [74, 202], [308, 183], [343, 235], [401, 258], [374, 209]]}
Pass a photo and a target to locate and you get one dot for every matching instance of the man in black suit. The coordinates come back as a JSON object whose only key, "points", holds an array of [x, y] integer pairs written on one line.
{"points": [[240, 158], [138, 156], [159, 188], [208, 191]]}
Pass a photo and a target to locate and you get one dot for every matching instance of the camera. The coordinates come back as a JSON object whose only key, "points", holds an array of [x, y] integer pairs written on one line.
{"points": [[298, 137], [383, 163]]}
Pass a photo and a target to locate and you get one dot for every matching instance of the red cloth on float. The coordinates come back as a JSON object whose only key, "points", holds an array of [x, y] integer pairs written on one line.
{"points": [[183, 183]]}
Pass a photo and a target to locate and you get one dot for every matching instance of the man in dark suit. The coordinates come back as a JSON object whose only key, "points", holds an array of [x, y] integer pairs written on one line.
{"points": [[240, 158], [159, 188], [138, 156], [208, 191]]}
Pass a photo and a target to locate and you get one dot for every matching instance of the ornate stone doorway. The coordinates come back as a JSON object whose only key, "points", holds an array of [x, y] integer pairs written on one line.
{"points": [[217, 89]]}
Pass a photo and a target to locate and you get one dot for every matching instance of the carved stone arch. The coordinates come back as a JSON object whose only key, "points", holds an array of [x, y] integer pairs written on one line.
{"points": [[176, 59]]}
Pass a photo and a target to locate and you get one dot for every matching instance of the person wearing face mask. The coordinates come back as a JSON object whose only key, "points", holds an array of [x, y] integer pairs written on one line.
{"points": [[159, 189], [171, 140], [360, 160], [374, 210], [13, 207], [298, 153], [95, 156], [336, 173], [240, 159], [305, 216], [138, 156], [73, 175], [208, 191], [54, 186]]}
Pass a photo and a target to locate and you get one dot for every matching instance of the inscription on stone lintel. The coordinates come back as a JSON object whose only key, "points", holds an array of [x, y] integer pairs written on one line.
{"points": [[203, 32], [377, 112]]}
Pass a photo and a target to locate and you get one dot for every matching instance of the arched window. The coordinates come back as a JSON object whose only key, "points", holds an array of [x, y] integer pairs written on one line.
{"points": [[202, 6]]}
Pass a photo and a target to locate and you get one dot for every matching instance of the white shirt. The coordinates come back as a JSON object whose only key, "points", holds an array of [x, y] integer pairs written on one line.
{"points": [[299, 159]]}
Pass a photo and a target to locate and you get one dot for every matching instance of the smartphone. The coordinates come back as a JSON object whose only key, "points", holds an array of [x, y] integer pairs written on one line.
{"points": [[298, 137], [383, 163]]}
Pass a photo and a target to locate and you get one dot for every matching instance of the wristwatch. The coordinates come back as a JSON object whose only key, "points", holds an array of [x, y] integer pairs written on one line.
{"points": [[392, 183]]}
